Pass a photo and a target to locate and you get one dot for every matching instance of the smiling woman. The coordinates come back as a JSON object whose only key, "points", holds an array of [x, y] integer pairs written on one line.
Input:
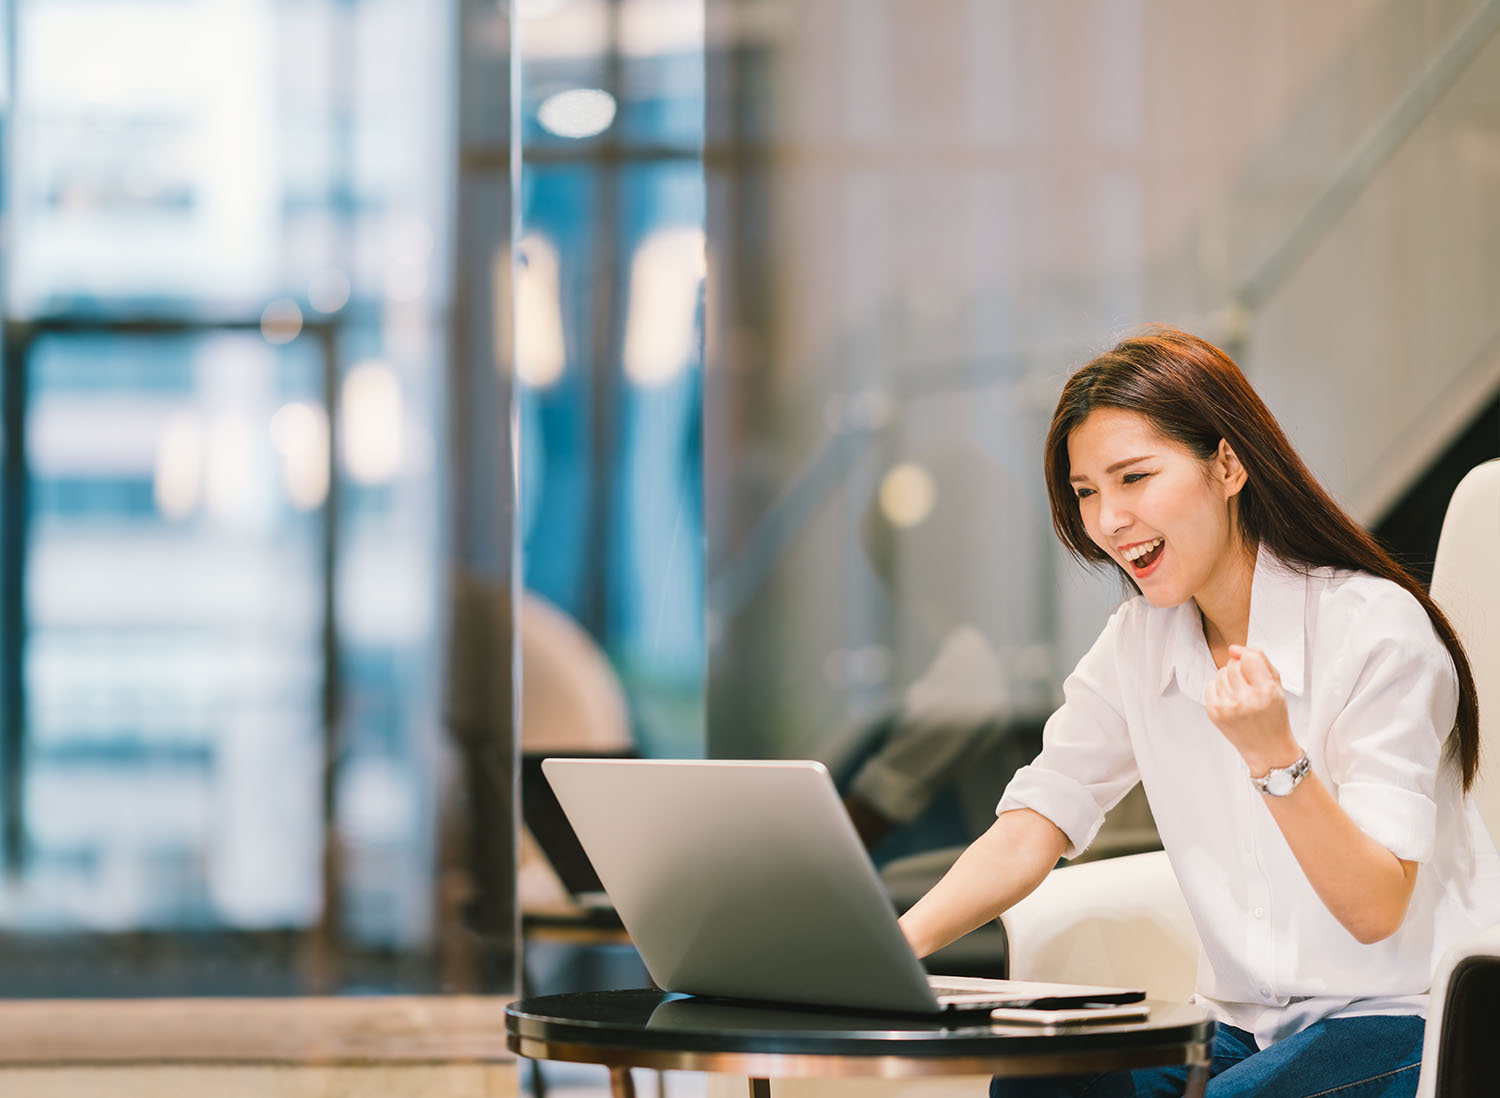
{"points": [[1183, 390], [1299, 712]]}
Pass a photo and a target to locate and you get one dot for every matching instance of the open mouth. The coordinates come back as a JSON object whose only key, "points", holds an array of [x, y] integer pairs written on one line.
{"points": [[1143, 556]]}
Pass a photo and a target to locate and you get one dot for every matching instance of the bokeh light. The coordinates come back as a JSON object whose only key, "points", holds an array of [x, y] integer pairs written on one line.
{"points": [[578, 112]]}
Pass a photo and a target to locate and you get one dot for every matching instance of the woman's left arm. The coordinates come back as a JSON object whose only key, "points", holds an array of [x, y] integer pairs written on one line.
{"points": [[1365, 886]]}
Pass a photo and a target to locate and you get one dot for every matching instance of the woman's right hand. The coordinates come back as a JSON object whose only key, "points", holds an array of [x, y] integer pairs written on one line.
{"points": [[998, 869]]}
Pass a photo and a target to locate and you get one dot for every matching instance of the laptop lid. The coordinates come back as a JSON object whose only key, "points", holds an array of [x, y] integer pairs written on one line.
{"points": [[549, 826], [742, 880]]}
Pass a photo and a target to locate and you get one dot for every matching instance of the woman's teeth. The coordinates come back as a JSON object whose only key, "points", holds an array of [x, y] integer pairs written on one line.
{"points": [[1143, 554]]}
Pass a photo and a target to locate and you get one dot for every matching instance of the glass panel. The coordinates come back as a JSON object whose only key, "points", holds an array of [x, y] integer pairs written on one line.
{"points": [[566, 92], [556, 342], [656, 606], [609, 272], [662, 73], [228, 226], [923, 217]]}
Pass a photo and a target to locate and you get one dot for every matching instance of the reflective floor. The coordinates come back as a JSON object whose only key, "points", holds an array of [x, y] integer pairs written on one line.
{"points": [[590, 1081]]}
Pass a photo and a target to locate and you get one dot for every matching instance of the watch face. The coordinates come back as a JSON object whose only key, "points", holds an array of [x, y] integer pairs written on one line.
{"points": [[1279, 783]]}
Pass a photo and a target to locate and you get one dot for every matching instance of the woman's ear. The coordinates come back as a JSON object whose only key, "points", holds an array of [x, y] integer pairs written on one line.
{"points": [[1228, 471]]}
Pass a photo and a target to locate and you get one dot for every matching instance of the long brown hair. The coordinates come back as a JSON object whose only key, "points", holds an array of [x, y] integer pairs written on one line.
{"points": [[1193, 393]]}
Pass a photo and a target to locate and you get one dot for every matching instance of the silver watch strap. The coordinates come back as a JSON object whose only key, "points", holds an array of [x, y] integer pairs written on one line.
{"points": [[1280, 781]]}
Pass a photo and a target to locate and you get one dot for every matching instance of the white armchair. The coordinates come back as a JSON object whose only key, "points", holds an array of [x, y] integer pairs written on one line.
{"points": [[1458, 1051], [1459, 1055]]}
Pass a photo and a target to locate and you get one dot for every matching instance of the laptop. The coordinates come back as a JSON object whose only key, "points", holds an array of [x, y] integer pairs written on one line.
{"points": [[746, 880]]}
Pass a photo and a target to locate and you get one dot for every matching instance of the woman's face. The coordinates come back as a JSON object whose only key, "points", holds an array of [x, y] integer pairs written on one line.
{"points": [[1156, 508]]}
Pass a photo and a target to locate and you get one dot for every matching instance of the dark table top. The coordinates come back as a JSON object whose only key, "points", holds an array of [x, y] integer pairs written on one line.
{"points": [[651, 1027]]}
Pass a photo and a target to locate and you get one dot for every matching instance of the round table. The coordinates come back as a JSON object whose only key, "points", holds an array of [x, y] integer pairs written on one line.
{"points": [[665, 1031]]}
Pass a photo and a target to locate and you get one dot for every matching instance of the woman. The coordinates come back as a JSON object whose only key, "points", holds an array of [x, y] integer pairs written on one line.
{"points": [[1300, 714]]}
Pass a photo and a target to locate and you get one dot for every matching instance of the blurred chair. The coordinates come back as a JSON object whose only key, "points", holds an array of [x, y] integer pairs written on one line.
{"points": [[571, 697], [572, 703]]}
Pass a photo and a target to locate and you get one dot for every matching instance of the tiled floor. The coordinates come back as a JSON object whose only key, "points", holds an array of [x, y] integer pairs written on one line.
{"points": [[261, 1081], [582, 1081], [403, 1047]]}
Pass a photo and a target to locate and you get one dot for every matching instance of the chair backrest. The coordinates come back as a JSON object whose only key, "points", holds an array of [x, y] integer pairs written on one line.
{"points": [[572, 701], [1459, 1054], [1466, 584]]}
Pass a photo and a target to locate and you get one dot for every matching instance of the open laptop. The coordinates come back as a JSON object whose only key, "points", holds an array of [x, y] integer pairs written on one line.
{"points": [[746, 880]]}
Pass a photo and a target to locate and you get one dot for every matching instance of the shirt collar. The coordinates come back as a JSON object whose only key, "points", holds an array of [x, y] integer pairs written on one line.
{"points": [[1278, 615]]}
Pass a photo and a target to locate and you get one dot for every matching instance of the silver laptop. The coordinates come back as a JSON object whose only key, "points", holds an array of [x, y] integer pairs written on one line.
{"points": [[746, 880]]}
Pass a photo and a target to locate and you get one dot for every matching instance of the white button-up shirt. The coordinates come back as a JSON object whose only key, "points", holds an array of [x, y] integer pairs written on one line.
{"points": [[1371, 693]]}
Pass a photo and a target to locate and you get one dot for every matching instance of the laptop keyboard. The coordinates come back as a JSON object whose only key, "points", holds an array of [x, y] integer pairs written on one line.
{"points": [[940, 989]]}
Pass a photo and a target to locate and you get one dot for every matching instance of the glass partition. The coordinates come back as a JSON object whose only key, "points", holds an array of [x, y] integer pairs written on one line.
{"points": [[609, 267], [225, 294]]}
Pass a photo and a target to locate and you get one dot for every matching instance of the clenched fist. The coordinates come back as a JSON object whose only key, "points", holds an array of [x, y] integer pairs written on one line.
{"points": [[1246, 703]]}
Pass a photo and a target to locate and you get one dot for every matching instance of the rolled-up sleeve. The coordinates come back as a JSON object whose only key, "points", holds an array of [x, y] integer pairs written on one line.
{"points": [[1086, 764], [1385, 747]]}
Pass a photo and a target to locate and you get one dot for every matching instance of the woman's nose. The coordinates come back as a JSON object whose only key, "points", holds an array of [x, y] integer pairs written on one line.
{"points": [[1112, 517]]}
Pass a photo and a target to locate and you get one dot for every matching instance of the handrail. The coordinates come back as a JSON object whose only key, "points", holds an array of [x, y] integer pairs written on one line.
{"points": [[1361, 166]]}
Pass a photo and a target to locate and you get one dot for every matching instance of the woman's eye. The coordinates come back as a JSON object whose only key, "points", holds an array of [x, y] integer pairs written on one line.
{"points": [[1131, 478], [1084, 493]]}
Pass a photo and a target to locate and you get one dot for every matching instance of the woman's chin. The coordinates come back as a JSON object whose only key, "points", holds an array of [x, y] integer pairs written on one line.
{"points": [[1163, 596]]}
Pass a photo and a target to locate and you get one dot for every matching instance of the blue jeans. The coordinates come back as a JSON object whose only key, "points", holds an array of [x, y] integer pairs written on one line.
{"points": [[1373, 1056]]}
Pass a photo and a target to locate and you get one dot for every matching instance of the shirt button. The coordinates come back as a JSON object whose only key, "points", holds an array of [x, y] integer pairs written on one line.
{"points": [[1259, 913]]}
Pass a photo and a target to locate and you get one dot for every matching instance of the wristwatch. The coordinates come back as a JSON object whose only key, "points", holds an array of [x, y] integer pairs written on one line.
{"points": [[1281, 780]]}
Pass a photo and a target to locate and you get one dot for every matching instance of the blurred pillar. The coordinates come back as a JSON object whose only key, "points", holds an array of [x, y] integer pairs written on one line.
{"points": [[477, 863]]}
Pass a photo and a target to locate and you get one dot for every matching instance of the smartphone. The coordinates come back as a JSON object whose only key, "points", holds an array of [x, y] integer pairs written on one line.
{"points": [[1065, 1016]]}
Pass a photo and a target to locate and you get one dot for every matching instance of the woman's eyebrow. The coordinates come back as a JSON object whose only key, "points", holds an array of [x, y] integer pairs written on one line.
{"points": [[1113, 468]]}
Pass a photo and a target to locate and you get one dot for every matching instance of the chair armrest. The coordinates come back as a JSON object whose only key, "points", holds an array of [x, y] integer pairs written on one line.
{"points": [[1121, 921]]}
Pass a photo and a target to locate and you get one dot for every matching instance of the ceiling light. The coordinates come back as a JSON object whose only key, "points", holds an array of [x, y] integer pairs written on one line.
{"points": [[577, 112]]}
